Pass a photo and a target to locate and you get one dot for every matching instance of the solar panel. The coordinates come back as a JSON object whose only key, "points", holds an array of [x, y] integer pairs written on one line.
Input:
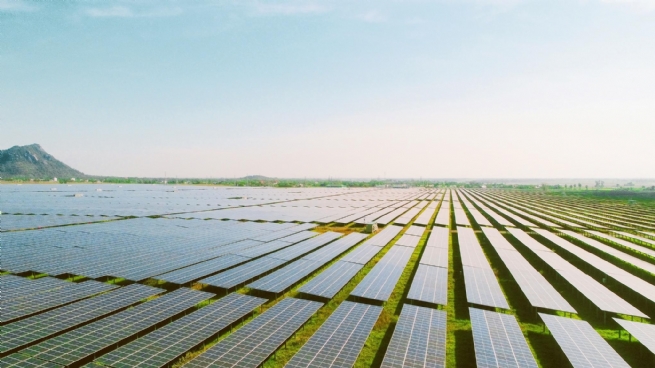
{"points": [[430, 285], [443, 216], [13, 308], [380, 282], [339, 340], [335, 248], [263, 249], [407, 217], [438, 238], [328, 283], [433, 256], [305, 247], [470, 249], [198, 270], [583, 346], [30, 330], [253, 343], [285, 277], [638, 262], [162, 346], [84, 342], [300, 236], [622, 276], [415, 230], [362, 254], [636, 237], [384, 236], [499, 341], [242, 274], [624, 243], [460, 215], [388, 218], [267, 237], [536, 288], [24, 361], [419, 339], [500, 219], [482, 288], [645, 333], [509, 214], [408, 241], [30, 288], [596, 292], [424, 218], [479, 218]]}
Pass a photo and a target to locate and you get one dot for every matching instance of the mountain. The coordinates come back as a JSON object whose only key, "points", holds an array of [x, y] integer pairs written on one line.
{"points": [[34, 163]]}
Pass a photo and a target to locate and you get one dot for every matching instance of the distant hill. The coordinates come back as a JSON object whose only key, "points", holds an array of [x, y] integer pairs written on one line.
{"points": [[34, 163]]}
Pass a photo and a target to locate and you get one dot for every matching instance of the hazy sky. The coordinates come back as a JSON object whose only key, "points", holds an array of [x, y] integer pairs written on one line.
{"points": [[487, 88]]}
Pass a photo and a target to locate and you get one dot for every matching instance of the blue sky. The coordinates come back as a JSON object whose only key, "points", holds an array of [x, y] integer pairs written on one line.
{"points": [[486, 88]]}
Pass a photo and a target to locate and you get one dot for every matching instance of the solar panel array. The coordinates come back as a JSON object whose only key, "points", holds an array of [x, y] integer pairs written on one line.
{"points": [[430, 285], [305, 246], [512, 216], [24, 301], [408, 241], [250, 345], [443, 214], [583, 346], [639, 285], [339, 340], [482, 288], [380, 282], [240, 275], [624, 243], [645, 333], [499, 341], [419, 339], [194, 272], [162, 346], [596, 292], [84, 342], [460, 216], [30, 330], [637, 262], [424, 218], [196, 237], [536, 288], [134, 250], [328, 283], [495, 215], [284, 278], [479, 218]]}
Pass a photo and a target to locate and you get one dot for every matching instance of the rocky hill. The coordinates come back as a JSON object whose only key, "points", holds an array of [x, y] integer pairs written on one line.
{"points": [[34, 163]]}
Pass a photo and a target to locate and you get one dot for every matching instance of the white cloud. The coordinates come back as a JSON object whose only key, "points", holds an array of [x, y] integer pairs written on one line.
{"points": [[644, 5], [290, 9], [125, 12], [373, 16], [15, 6], [114, 11]]}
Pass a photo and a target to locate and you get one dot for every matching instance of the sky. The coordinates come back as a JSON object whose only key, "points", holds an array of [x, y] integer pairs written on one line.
{"points": [[341, 89]]}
